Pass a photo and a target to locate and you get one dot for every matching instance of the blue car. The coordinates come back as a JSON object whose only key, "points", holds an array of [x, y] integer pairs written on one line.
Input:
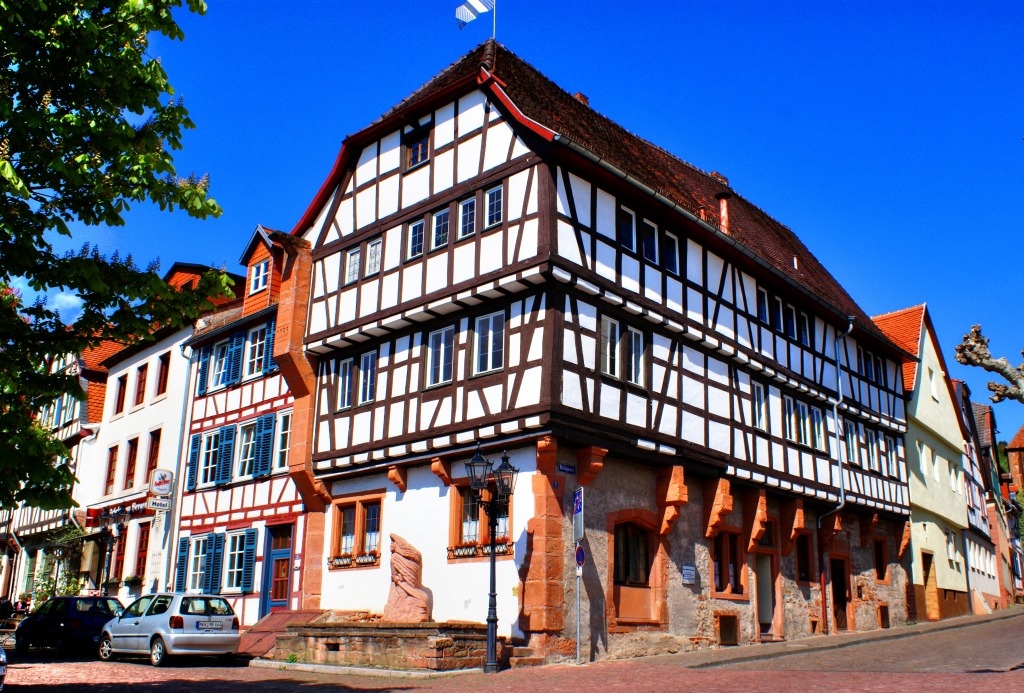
{"points": [[66, 623]]}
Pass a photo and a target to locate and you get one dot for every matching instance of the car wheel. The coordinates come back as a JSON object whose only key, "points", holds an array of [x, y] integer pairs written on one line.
{"points": [[21, 644], [60, 648], [158, 653], [106, 649]]}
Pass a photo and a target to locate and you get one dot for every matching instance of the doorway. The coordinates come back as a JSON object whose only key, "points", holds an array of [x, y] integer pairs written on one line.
{"points": [[277, 570], [764, 572], [840, 592], [931, 587]]}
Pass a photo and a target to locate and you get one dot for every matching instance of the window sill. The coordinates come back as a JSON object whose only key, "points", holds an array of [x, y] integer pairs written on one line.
{"points": [[353, 563], [436, 386], [253, 292], [476, 552], [730, 596], [137, 407], [495, 225], [417, 165], [159, 398]]}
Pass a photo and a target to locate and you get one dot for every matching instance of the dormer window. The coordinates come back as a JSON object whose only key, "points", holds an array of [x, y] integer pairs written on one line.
{"points": [[417, 147], [260, 275]]}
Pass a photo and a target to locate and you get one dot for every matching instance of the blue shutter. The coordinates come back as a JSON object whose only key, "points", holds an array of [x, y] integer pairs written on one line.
{"points": [[226, 455], [193, 462], [182, 569], [264, 444], [234, 366], [204, 369], [249, 560], [214, 563], [269, 364]]}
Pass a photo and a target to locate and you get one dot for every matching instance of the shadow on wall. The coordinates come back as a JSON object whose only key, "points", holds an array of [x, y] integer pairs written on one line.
{"points": [[597, 616]]}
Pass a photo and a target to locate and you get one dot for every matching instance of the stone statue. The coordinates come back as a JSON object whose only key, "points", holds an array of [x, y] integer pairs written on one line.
{"points": [[408, 602]]}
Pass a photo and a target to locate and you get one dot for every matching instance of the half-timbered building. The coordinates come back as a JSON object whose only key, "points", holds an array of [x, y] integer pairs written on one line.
{"points": [[493, 262], [241, 523], [997, 508]]}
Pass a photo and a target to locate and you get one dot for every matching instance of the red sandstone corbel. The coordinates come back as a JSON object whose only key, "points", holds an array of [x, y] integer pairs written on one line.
{"points": [[792, 521], [832, 526], [547, 455], [589, 460], [399, 477], [755, 515], [717, 506], [905, 541], [671, 494], [443, 470], [867, 528]]}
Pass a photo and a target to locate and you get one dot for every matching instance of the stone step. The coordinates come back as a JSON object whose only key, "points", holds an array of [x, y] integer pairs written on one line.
{"points": [[520, 662], [520, 651]]}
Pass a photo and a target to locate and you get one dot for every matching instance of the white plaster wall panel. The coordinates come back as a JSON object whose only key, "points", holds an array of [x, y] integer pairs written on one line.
{"points": [[513, 350], [725, 321], [347, 305], [569, 350], [517, 186], [718, 402], [605, 214], [636, 410], [693, 392], [567, 245], [464, 267], [469, 158], [332, 272], [588, 261], [694, 305], [471, 112], [444, 412], [366, 168], [378, 422], [739, 445], [761, 446], [589, 352], [401, 349], [630, 278], [444, 171], [389, 291], [536, 345], [361, 428], [390, 152], [775, 412], [437, 272], [652, 283], [529, 392], [718, 371], [693, 427], [222, 502], [807, 466], [366, 207], [528, 243], [499, 140], [519, 149], [396, 419], [693, 360], [416, 186], [427, 409], [581, 196], [586, 315], [234, 400], [412, 281], [312, 233], [695, 263], [444, 125], [387, 196], [323, 437], [572, 396], [658, 376], [562, 196], [674, 294], [345, 218], [491, 257], [669, 420], [368, 293], [611, 398], [413, 416], [767, 342], [793, 462], [743, 332]]}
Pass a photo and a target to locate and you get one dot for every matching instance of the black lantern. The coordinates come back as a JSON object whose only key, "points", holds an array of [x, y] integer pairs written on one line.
{"points": [[505, 478], [478, 470]]}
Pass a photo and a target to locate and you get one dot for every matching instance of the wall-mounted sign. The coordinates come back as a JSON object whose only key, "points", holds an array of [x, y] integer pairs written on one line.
{"points": [[566, 468], [163, 504], [689, 574], [577, 515], [160, 482]]}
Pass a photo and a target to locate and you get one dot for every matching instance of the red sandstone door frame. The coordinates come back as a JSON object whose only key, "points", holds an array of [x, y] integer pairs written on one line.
{"points": [[777, 629], [841, 581]]}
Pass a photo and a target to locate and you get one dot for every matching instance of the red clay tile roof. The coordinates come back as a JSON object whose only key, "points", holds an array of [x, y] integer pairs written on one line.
{"points": [[93, 358], [543, 102], [1018, 441], [984, 421], [904, 327]]}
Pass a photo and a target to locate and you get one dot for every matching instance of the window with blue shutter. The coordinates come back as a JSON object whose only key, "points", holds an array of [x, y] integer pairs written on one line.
{"points": [[193, 462], [214, 563], [264, 444], [182, 569], [235, 348], [204, 369], [249, 560], [226, 455], [269, 364]]}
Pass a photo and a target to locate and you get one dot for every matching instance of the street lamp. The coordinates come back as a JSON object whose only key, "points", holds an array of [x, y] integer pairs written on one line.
{"points": [[481, 474], [110, 521]]}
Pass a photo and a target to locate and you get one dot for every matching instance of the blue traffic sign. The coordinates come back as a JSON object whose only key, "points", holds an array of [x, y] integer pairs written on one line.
{"points": [[580, 556]]}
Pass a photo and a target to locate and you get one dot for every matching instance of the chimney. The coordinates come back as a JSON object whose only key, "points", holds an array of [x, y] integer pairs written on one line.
{"points": [[582, 98], [723, 209]]}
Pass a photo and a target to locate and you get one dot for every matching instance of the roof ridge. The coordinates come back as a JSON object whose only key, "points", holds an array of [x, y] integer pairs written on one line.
{"points": [[922, 306]]}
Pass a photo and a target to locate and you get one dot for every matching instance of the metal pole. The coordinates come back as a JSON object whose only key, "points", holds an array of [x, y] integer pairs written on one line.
{"points": [[491, 665], [579, 572], [108, 546]]}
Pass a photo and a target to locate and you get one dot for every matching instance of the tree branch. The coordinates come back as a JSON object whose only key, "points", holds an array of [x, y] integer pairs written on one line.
{"points": [[973, 351]]}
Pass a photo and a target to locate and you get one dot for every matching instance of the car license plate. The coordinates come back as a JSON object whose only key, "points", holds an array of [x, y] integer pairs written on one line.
{"points": [[210, 625]]}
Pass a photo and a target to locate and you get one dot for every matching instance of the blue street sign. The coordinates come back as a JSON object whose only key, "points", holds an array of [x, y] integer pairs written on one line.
{"points": [[580, 556]]}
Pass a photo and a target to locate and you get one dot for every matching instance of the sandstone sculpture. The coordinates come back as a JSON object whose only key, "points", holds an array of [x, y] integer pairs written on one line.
{"points": [[408, 602]]}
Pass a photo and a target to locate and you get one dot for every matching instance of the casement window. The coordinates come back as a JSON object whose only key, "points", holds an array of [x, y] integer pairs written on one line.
{"points": [[632, 565], [817, 429], [804, 327], [869, 366], [367, 377], [494, 206], [352, 260], [850, 442], [440, 349], [373, 249], [794, 418], [343, 384], [260, 275], [804, 558], [467, 217], [951, 552], [889, 464], [649, 242], [130, 462], [117, 569], [729, 562], [625, 229], [122, 388], [108, 485], [610, 346], [239, 561], [142, 549], [789, 321], [860, 360], [880, 375], [140, 384], [357, 532], [256, 352], [490, 342], [881, 559], [441, 224], [210, 458], [670, 253], [469, 533], [154, 453], [762, 306], [417, 147], [284, 438], [219, 371], [197, 566], [246, 450], [635, 356], [871, 440], [757, 418], [776, 314], [416, 229], [163, 372]]}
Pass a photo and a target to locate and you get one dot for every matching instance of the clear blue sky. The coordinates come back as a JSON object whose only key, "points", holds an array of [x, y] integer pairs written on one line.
{"points": [[888, 135]]}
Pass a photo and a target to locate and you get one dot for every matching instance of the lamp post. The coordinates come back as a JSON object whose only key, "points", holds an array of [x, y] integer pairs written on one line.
{"points": [[481, 474], [110, 521]]}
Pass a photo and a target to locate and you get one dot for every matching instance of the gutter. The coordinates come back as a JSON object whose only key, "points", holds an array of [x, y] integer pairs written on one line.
{"points": [[173, 532]]}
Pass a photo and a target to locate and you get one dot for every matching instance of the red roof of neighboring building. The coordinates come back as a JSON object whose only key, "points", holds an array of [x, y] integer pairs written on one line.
{"points": [[1017, 443], [94, 358], [904, 328], [984, 421]]}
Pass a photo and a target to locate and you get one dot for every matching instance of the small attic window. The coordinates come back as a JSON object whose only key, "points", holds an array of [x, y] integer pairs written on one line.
{"points": [[417, 146], [260, 274]]}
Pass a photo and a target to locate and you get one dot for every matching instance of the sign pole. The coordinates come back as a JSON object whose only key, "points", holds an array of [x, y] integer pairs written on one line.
{"points": [[579, 573], [577, 535]]}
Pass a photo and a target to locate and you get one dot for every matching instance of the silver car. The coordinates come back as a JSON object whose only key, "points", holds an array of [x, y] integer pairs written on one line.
{"points": [[171, 624]]}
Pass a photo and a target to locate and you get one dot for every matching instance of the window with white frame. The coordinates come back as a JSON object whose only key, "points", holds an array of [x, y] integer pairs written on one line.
{"points": [[850, 441], [373, 256], [367, 376], [494, 206], [625, 228], [284, 439], [789, 321], [795, 416], [416, 229], [951, 545], [208, 463], [246, 450], [234, 561], [670, 253], [891, 462], [757, 418], [440, 348], [776, 313], [467, 217], [871, 440], [931, 384], [256, 350], [762, 305], [219, 363], [343, 384], [490, 342], [804, 327], [649, 241], [610, 346], [635, 356], [260, 275], [197, 564], [352, 265], [441, 224], [817, 430]]}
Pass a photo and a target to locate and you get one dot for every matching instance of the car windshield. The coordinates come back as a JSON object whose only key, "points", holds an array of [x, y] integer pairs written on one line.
{"points": [[205, 606], [105, 607]]}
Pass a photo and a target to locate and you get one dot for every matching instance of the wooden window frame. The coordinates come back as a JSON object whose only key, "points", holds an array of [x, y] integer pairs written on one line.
{"points": [[353, 265], [142, 548], [163, 373], [649, 230], [669, 248], [374, 256], [851, 442], [416, 147], [467, 218], [619, 596], [460, 551], [758, 408], [223, 347], [153, 452], [486, 347], [141, 375], [807, 538], [739, 560], [763, 312], [260, 278], [131, 462], [494, 219], [120, 394], [620, 217], [441, 219], [234, 561], [255, 363], [412, 253], [435, 356], [282, 439], [205, 452], [109, 482], [610, 347], [240, 446], [876, 544], [343, 384], [367, 374], [634, 361], [358, 557]]}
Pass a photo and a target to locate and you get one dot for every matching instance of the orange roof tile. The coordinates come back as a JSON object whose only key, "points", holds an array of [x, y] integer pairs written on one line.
{"points": [[904, 328], [93, 358], [1018, 441]]}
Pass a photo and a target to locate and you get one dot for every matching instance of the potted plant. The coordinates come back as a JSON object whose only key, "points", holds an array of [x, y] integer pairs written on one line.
{"points": [[341, 561], [133, 580], [468, 548]]}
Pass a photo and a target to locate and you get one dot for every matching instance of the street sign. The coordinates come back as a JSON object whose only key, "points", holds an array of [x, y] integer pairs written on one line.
{"points": [[581, 557], [160, 482], [577, 515], [158, 504], [566, 468]]}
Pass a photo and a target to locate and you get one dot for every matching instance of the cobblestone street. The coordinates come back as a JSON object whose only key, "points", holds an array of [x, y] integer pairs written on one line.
{"points": [[980, 655]]}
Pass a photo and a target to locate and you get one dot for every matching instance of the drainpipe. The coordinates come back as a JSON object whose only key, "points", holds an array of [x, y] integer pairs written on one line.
{"points": [[171, 530], [842, 477]]}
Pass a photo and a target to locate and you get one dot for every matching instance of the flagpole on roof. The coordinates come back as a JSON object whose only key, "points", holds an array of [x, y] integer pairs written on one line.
{"points": [[494, 22]]}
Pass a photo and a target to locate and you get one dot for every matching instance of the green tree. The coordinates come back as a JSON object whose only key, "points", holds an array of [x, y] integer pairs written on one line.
{"points": [[88, 124]]}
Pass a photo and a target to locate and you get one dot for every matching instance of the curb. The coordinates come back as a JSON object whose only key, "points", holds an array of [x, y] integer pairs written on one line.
{"points": [[338, 670]]}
